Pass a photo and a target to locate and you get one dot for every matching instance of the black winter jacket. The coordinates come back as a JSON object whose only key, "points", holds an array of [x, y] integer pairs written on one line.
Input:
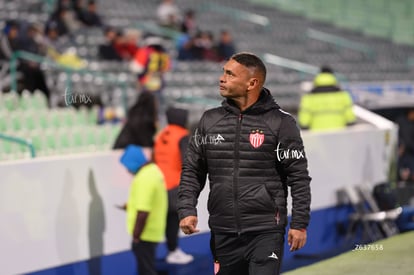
{"points": [[250, 157]]}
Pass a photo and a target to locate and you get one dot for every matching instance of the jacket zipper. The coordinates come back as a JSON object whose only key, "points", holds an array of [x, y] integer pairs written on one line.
{"points": [[235, 175]]}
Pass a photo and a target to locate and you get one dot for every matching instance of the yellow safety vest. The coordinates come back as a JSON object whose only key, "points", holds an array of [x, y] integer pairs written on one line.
{"points": [[326, 110]]}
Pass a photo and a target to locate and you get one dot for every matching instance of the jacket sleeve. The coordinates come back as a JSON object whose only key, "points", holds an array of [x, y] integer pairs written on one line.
{"points": [[193, 175], [291, 154]]}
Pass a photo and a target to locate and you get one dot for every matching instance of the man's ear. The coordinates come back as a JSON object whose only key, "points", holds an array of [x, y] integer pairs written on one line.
{"points": [[252, 83]]}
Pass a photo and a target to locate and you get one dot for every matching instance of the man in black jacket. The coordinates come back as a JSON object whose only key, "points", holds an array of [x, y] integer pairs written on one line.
{"points": [[252, 152]]}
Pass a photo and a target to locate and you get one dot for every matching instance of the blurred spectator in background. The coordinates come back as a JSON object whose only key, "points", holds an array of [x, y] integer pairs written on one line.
{"points": [[53, 39], [57, 21], [8, 44], [169, 152], [169, 15], [184, 45], [203, 46], [33, 76], [141, 123], [225, 47], [107, 50], [406, 146], [126, 44], [150, 63], [146, 207], [69, 17], [56, 47], [189, 25], [88, 15], [327, 106], [197, 47], [91, 17], [37, 41], [79, 10], [9, 40], [30, 41]]}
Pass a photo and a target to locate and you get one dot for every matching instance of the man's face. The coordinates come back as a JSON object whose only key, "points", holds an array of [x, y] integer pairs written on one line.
{"points": [[235, 80], [14, 32]]}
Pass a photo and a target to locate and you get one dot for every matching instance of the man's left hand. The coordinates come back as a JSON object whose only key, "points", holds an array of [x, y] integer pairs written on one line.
{"points": [[296, 239]]}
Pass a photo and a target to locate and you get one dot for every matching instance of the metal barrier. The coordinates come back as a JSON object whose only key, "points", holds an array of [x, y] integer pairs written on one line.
{"points": [[295, 65], [21, 142], [340, 42], [155, 29], [290, 64], [239, 14]]}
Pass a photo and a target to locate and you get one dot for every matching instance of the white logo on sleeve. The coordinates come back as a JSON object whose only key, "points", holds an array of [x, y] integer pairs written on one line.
{"points": [[273, 255], [207, 139], [282, 154]]}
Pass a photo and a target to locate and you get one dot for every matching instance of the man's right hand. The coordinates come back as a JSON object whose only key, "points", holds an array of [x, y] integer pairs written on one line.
{"points": [[189, 225]]}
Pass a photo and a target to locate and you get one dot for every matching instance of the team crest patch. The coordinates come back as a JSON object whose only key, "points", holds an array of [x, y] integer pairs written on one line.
{"points": [[256, 138]]}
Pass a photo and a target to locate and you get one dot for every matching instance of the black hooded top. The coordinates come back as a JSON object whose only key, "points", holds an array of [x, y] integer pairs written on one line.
{"points": [[251, 158]]}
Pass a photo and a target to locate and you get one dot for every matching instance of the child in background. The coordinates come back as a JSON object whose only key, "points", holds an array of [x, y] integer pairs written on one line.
{"points": [[146, 207]]}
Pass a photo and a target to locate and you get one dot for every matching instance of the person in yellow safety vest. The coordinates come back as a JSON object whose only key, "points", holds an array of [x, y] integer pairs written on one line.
{"points": [[327, 106]]}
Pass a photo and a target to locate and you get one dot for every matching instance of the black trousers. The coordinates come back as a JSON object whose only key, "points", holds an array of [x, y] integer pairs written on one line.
{"points": [[249, 254], [171, 233], [173, 222], [144, 253]]}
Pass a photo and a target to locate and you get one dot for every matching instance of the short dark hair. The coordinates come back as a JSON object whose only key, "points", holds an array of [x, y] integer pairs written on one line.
{"points": [[326, 69], [250, 60]]}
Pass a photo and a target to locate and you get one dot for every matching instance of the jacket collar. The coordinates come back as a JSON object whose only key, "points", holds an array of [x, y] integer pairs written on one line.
{"points": [[264, 103]]}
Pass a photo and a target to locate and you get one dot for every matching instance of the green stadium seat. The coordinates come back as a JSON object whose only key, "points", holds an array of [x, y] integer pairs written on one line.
{"points": [[15, 122], [319, 10], [51, 146], [378, 25], [103, 137], [43, 120], [6, 147], [37, 141], [10, 101], [67, 117], [403, 31], [55, 119], [25, 100], [39, 100], [93, 115], [65, 142], [21, 151], [29, 121], [3, 122], [90, 139], [78, 139], [81, 117], [353, 18]]}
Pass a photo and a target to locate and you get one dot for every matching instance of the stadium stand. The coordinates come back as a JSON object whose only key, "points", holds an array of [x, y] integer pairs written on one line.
{"points": [[51, 132]]}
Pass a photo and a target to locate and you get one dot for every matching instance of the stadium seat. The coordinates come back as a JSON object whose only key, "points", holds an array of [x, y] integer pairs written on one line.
{"points": [[3, 122], [37, 141], [10, 101], [51, 146], [39, 100], [25, 100], [43, 120], [30, 121]]}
